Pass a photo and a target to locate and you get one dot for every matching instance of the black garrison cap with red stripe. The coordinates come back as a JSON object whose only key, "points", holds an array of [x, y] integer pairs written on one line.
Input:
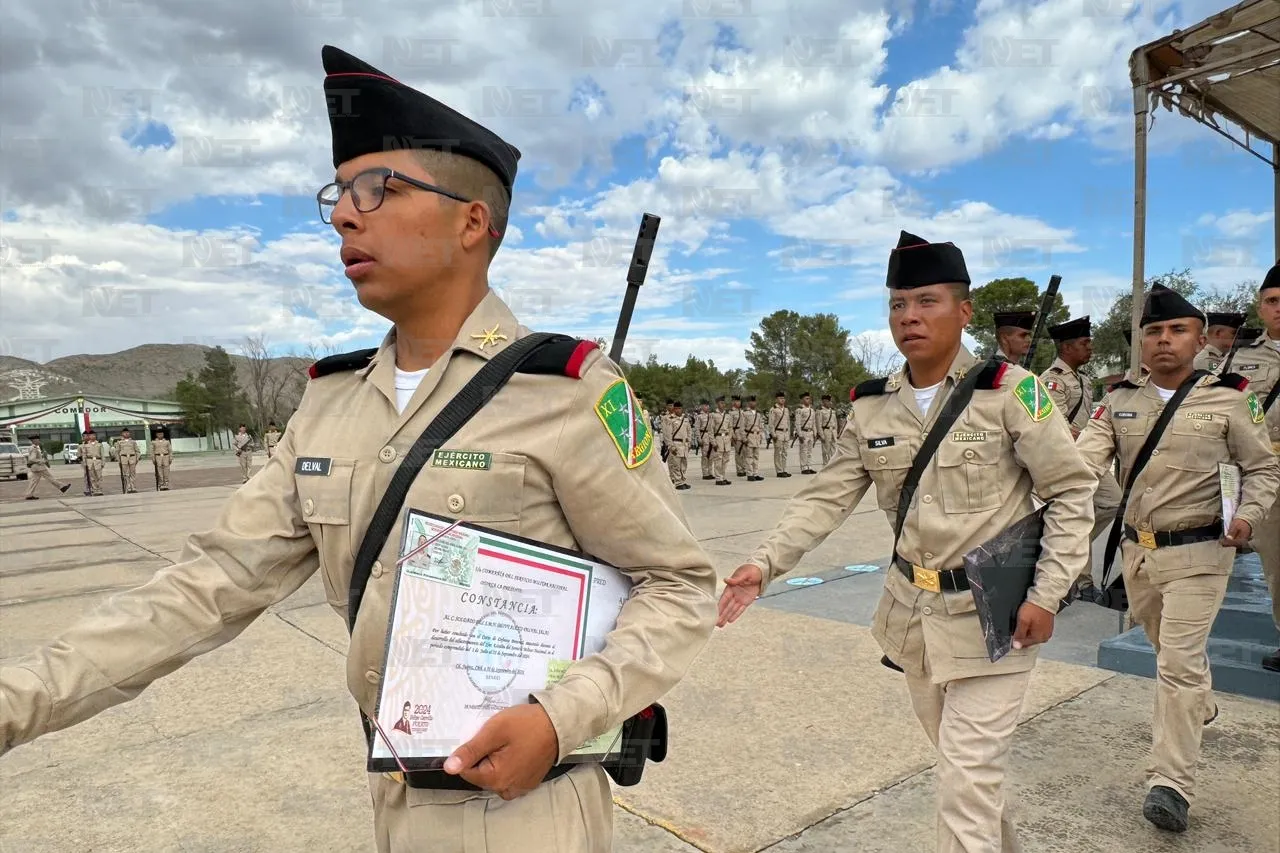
{"points": [[371, 111], [914, 262]]}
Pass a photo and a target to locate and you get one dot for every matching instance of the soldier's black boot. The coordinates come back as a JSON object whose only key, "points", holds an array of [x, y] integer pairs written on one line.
{"points": [[1166, 808], [1272, 661]]}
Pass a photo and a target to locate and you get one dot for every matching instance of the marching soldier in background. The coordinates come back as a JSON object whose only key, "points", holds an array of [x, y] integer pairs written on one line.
{"points": [[161, 458], [1072, 394], [91, 460], [38, 470], [828, 429], [1259, 362], [243, 443], [806, 432], [1176, 554], [927, 622], [780, 433], [1220, 335], [1013, 334], [126, 452], [271, 438], [721, 440], [751, 428], [739, 449], [679, 437], [702, 426]]}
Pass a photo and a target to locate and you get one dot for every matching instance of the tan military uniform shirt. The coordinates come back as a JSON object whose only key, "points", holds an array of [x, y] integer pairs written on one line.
{"points": [[36, 458], [126, 450], [240, 441], [1179, 488], [735, 417], [780, 424], [270, 438], [806, 421], [679, 433], [752, 427], [827, 423], [1259, 362], [1210, 358], [721, 430], [1071, 393], [554, 473], [702, 422], [979, 483], [91, 451], [160, 448]]}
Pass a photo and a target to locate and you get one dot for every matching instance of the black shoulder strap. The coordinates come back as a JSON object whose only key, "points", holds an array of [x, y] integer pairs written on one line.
{"points": [[951, 410], [1075, 410], [473, 396], [1144, 456], [1271, 397]]}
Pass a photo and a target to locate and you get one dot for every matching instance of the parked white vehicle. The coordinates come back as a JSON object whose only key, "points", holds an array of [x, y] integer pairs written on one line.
{"points": [[13, 462]]}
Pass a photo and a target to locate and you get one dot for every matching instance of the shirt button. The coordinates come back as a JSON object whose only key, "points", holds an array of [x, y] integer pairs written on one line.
{"points": [[968, 454], [309, 506], [928, 611], [387, 454], [882, 459], [1124, 430], [1155, 453], [928, 556], [456, 503], [377, 569], [1150, 490], [371, 676], [928, 499]]}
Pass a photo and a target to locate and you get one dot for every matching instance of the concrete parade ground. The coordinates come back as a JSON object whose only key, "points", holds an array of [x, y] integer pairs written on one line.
{"points": [[787, 735]]}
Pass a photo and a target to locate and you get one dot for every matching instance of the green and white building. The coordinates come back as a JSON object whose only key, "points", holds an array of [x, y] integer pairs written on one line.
{"points": [[64, 419]]}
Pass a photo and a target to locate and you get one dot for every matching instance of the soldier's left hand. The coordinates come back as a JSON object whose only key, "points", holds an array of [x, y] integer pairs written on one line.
{"points": [[510, 754], [1035, 625], [1237, 534]]}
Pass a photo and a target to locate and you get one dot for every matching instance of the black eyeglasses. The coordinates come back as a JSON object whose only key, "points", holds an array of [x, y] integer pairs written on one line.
{"points": [[368, 189]]}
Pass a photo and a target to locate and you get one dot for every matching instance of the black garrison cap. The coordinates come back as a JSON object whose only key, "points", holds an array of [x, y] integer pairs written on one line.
{"points": [[917, 263], [372, 111], [1072, 329], [1164, 304], [1019, 319], [1233, 319], [1272, 279]]}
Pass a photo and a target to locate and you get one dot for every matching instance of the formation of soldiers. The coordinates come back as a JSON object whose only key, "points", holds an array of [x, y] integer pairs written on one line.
{"points": [[736, 430]]}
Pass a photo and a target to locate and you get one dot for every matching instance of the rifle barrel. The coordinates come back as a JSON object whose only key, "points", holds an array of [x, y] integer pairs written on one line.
{"points": [[640, 256], [1042, 319]]}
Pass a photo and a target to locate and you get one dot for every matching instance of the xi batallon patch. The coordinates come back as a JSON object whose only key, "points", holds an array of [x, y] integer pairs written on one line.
{"points": [[1255, 409], [620, 413], [1034, 398]]}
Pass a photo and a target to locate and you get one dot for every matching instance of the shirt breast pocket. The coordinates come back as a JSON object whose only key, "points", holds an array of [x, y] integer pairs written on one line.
{"points": [[970, 472], [888, 468], [1194, 445], [492, 495], [326, 509]]}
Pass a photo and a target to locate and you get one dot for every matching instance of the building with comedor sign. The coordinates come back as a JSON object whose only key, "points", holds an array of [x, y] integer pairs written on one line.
{"points": [[59, 420]]}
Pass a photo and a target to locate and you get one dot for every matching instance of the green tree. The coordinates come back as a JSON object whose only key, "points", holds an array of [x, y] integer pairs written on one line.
{"points": [[213, 398], [1110, 348], [1013, 294], [796, 353], [1243, 299], [194, 400]]}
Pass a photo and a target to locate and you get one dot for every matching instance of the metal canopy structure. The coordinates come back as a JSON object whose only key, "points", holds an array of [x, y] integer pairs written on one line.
{"points": [[1223, 72]]}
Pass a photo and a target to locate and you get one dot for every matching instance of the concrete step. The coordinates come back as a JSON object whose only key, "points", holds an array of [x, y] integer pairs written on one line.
{"points": [[1246, 618], [1236, 665]]}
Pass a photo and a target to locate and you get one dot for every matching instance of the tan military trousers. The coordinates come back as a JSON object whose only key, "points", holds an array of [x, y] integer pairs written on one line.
{"points": [[245, 459], [780, 448], [572, 813], [740, 458], [1266, 541], [162, 469], [828, 447], [94, 467], [720, 463], [678, 464], [806, 451], [751, 459], [708, 463], [130, 470], [36, 475], [971, 722], [1176, 616]]}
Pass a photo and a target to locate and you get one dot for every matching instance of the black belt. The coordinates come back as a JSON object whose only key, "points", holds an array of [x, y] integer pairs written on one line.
{"points": [[1172, 538], [438, 780], [933, 580]]}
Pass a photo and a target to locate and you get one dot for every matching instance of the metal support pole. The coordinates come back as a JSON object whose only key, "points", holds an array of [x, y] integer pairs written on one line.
{"points": [[1141, 105]]}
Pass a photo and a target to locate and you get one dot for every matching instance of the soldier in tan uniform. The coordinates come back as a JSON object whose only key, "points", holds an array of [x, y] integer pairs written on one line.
{"points": [[828, 428], [702, 428], [780, 433], [739, 448], [927, 622], [1013, 334], [242, 442], [38, 470], [679, 439], [806, 421], [563, 466], [161, 458], [91, 460], [721, 438], [1072, 394], [1176, 555], [1259, 362], [751, 428], [271, 438], [1220, 335], [126, 453]]}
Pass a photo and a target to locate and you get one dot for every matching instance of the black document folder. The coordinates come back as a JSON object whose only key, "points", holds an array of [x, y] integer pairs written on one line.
{"points": [[1000, 572]]}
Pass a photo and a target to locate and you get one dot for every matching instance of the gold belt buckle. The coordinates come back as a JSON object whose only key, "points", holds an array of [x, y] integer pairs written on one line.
{"points": [[926, 579], [397, 776], [1147, 539]]}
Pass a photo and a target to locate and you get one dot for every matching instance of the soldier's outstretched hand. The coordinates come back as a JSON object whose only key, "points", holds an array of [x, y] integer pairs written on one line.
{"points": [[740, 589]]}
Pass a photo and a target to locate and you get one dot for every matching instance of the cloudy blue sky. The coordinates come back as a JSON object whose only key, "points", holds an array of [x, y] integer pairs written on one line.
{"points": [[160, 160]]}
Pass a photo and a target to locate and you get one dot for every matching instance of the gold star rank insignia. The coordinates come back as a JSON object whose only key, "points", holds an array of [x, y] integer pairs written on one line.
{"points": [[489, 337]]}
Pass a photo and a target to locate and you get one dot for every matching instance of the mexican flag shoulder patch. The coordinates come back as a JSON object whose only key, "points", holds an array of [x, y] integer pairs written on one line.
{"points": [[1033, 396], [620, 413]]}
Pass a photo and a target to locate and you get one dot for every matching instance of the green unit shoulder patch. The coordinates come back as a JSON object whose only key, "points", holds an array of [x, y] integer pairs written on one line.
{"points": [[1034, 397], [476, 459], [620, 413], [1255, 409]]}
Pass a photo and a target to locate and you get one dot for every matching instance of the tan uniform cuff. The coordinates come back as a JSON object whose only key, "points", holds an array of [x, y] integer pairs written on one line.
{"points": [[25, 707], [577, 709]]}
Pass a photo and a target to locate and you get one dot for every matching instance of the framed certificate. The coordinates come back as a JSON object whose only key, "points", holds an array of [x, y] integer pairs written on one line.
{"points": [[479, 620]]}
